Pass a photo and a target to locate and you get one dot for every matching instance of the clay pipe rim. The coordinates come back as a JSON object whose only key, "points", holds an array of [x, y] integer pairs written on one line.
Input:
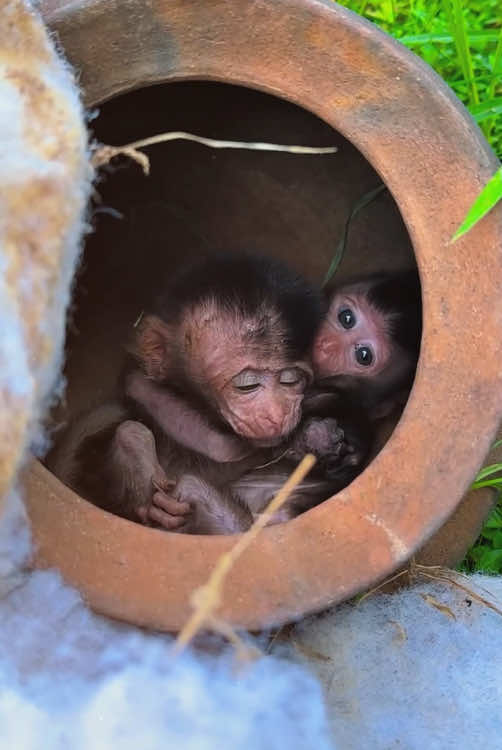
{"points": [[431, 155]]}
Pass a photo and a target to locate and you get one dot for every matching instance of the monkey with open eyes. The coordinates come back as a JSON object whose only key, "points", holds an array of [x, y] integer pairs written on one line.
{"points": [[368, 344], [364, 359], [364, 355], [225, 355], [383, 309]]}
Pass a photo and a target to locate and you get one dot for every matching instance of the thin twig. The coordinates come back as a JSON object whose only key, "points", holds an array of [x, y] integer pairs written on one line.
{"points": [[104, 154], [245, 651], [438, 573], [449, 577], [384, 583], [207, 598]]}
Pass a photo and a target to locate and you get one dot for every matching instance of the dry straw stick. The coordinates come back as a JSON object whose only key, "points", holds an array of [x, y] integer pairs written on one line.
{"points": [[440, 574], [207, 598], [103, 154]]}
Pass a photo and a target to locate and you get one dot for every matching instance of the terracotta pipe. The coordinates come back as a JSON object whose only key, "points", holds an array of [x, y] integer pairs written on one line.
{"points": [[434, 160]]}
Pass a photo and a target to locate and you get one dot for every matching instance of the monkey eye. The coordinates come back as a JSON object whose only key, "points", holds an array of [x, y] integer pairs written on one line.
{"points": [[347, 318], [246, 382], [364, 355], [290, 377]]}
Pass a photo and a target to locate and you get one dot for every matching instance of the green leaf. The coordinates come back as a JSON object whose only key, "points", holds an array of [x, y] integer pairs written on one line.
{"points": [[454, 12], [340, 248], [487, 483], [490, 560], [495, 537], [474, 36], [486, 200], [496, 70], [486, 109], [494, 520], [477, 553], [487, 471]]}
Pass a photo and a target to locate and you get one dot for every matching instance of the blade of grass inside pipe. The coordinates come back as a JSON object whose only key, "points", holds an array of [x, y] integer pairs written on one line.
{"points": [[486, 200], [453, 11], [340, 248]]}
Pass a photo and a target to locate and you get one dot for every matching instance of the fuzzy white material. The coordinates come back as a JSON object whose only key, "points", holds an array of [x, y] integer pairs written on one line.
{"points": [[397, 672], [402, 673], [70, 679], [45, 176]]}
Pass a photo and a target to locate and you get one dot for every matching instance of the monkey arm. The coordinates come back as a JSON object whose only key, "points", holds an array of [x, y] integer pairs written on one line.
{"points": [[137, 486], [183, 423]]}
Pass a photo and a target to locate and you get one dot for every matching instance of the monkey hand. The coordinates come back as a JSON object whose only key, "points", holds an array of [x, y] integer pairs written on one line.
{"points": [[346, 461], [318, 435], [165, 510]]}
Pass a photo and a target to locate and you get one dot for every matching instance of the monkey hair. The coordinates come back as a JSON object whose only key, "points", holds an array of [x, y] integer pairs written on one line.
{"points": [[398, 297], [248, 285]]}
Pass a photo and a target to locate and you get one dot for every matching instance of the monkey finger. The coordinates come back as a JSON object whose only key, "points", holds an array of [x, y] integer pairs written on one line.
{"points": [[173, 507], [142, 512], [162, 483], [168, 522]]}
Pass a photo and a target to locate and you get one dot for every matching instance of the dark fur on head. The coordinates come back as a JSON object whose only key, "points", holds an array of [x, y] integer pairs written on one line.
{"points": [[245, 283], [399, 296]]}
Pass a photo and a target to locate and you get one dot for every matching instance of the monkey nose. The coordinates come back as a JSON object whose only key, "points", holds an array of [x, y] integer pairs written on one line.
{"points": [[274, 425]]}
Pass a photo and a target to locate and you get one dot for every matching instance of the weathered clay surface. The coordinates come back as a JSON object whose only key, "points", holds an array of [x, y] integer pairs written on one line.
{"points": [[434, 160]]}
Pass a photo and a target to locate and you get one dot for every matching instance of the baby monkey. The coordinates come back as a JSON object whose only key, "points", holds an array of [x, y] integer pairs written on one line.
{"points": [[210, 427], [221, 365], [365, 355], [364, 359], [368, 344]]}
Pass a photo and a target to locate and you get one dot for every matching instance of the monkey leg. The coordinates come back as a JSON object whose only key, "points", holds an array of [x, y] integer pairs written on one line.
{"points": [[139, 483], [213, 511]]}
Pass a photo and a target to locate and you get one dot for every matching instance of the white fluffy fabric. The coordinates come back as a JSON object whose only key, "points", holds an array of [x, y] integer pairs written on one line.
{"points": [[39, 245], [70, 679], [398, 672], [395, 670]]}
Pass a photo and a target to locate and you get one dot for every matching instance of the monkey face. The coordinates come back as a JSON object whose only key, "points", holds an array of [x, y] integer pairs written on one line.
{"points": [[354, 339], [264, 405]]}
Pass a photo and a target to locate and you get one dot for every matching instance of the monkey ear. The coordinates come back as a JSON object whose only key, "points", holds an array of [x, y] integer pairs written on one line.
{"points": [[152, 345]]}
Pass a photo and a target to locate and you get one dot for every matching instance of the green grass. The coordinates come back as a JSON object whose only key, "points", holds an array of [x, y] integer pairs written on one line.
{"points": [[462, 41]]}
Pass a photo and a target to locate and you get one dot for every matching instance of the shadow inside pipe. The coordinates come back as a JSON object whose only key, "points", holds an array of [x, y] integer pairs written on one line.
{"points": [[197, 199]]}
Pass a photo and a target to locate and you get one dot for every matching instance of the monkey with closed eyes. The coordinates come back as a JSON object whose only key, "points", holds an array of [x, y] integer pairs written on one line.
{"points": [[221, 368], [230, 466], [364, 358]]}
